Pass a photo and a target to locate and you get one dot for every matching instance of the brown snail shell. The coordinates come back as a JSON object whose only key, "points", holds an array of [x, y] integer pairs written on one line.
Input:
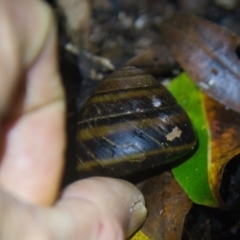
{"points": [[129, 124]]}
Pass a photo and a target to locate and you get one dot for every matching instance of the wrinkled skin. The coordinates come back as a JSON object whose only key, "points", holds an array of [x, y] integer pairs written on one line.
{"points": [[32, 143]]}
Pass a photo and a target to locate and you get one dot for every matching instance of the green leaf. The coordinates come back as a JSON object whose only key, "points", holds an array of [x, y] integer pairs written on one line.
{"points": [[192, 174]]}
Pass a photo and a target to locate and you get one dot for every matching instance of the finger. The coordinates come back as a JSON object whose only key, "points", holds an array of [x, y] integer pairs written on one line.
{"points": [[110, 198], [32, 138], [111, 209], [28, 54]]}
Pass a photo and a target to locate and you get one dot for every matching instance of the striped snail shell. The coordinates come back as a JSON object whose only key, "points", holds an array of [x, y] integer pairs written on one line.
{"points": [[129, 124]]}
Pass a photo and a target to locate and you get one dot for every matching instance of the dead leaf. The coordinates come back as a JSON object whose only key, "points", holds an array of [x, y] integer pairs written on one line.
{"points": [[156, 60], [167, 206], [224, 126], [208, 53]]}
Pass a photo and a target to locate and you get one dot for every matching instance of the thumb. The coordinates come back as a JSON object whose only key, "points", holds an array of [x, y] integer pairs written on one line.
{"points": [[91, 209], [108, 208]]}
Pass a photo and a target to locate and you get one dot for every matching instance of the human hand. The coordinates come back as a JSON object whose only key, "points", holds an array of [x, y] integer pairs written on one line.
{"points": [[32, 143]]}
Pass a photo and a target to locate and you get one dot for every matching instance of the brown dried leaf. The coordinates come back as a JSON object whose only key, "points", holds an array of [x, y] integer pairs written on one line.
{"points": [[224, 126], [156, 60], [167, 207], [208, 53]]}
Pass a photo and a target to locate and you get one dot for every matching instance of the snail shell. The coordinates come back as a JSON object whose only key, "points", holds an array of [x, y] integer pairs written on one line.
{"points": [[129, 124]]}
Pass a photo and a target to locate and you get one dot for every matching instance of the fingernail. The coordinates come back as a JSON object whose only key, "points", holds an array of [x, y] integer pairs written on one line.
{"points": [[138, 215]]}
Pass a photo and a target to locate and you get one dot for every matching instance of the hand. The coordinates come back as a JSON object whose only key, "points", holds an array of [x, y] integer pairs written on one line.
{"points": [[32, 143]]}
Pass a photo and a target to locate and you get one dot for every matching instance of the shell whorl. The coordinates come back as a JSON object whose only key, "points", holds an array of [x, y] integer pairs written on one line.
{"points": [[131, 123]]}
